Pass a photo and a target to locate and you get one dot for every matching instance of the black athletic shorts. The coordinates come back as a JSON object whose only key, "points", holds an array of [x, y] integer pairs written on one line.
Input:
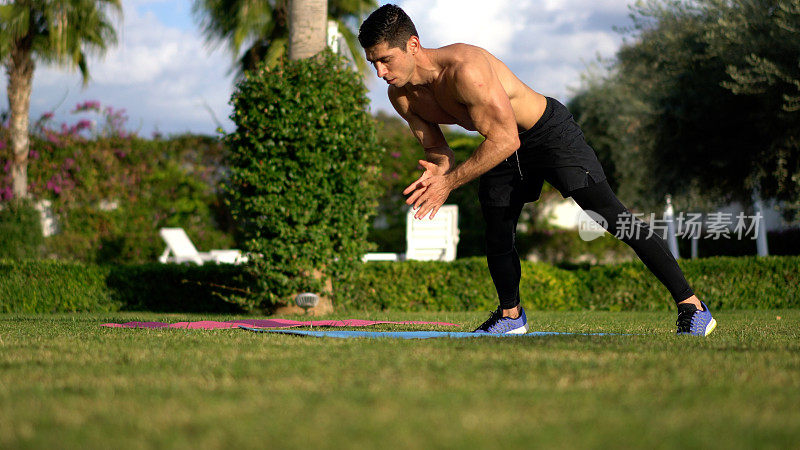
{"points": [[555, 150]]}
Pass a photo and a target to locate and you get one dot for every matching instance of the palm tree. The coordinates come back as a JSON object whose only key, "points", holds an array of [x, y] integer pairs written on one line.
{"points": [[50, 31], [262, 27], [307, 28]]}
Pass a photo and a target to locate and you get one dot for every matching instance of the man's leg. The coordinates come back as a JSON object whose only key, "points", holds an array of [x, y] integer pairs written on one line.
{"points": [[501, 255], [651, 249]]}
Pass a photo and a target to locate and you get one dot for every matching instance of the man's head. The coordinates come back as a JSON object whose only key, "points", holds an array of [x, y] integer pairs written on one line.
{"points": [[388, 24], [390, 41]]}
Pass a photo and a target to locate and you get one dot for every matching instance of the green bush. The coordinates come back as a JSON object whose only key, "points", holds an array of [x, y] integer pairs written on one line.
{"points": [[302, 181], [20, 230]]}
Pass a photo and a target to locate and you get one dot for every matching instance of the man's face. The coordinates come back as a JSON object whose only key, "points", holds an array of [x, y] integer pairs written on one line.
{"points": [[392, 64]]}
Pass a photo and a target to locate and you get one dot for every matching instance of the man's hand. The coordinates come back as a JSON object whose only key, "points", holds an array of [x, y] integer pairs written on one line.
{"points": [[430, 191]]}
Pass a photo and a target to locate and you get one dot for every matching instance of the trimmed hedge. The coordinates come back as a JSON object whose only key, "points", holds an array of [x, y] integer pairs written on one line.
{"points": [[722, 282], [57, 286], [464, 284], [52, 286]]}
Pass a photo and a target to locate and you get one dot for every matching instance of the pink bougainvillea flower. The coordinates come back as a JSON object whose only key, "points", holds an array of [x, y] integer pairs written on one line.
{"points": [[6, 193], [89, 105], [52, 138]]}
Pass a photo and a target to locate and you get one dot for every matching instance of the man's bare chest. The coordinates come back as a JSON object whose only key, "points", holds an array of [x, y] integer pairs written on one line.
{"points": [[436, 105]]}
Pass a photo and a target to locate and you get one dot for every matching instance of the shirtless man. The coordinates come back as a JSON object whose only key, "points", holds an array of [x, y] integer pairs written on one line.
{"points": [[529, 138]]}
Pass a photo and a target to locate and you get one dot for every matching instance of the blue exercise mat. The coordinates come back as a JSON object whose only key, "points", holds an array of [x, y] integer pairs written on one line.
{"points": [[343, 334]]}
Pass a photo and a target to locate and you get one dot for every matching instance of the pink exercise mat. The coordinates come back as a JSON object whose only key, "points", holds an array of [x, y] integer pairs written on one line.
{"points": [[265, 323]]}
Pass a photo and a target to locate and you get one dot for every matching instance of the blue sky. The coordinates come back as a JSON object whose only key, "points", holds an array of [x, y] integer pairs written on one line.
{"points": [[167, 79]]}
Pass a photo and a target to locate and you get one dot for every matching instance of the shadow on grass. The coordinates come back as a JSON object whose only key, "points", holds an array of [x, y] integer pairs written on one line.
{"points": [[180, 288]]}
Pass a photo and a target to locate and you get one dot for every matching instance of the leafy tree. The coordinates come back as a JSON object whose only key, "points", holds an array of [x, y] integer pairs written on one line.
{"points": [[261, 27], [50, 31], [758, 40], [597, 109], [676, 115]]}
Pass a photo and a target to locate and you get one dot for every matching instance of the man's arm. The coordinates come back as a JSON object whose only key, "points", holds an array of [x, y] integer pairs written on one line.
{"points": [[489, 107], [479, 89], [428, 134]]}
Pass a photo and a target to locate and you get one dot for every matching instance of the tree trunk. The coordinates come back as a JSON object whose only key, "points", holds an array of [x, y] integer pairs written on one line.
{"points": [[308, 26], [308, 35], [20, 77]]}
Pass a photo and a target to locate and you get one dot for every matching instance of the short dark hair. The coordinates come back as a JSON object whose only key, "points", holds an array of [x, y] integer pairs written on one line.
{"points": [[389, 24]]}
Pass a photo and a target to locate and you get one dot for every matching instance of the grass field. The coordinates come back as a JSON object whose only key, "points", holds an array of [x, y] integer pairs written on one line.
{"points": [[65, 382]]}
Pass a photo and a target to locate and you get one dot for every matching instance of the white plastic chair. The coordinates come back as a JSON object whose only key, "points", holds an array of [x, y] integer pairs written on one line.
{"points": [[426, 239], [180, 249], [433, 239]]}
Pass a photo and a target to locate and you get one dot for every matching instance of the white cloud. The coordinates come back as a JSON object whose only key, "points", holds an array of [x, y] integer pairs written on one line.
{"points": [[491, 25], [163, 76], [546, 43]]}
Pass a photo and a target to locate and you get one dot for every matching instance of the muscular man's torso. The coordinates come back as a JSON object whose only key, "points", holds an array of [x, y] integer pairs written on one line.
{"points": [[437, 102]]}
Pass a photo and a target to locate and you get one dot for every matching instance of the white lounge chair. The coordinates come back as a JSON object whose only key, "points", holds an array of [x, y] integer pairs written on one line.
{"points": [[180, 249], [426, 239]]}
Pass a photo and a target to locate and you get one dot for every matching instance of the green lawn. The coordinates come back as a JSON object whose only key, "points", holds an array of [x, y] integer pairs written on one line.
{"points": [[65, 382]]}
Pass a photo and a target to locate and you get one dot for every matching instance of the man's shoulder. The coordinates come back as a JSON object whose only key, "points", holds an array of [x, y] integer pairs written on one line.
{"points": [[462, 55], [461, 51], [464, 60]]}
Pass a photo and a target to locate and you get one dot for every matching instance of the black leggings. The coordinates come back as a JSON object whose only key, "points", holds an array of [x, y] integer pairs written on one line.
{"points": [[503, 260]]}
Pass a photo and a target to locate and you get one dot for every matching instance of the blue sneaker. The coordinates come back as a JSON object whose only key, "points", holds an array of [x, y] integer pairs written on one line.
{"points": [[497, 324], [694, 322]]}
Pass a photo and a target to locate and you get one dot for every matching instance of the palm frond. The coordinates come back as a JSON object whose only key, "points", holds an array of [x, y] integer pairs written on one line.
{"points": [[356, 53], [262, 27], [14, 22], [67, 31]]}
